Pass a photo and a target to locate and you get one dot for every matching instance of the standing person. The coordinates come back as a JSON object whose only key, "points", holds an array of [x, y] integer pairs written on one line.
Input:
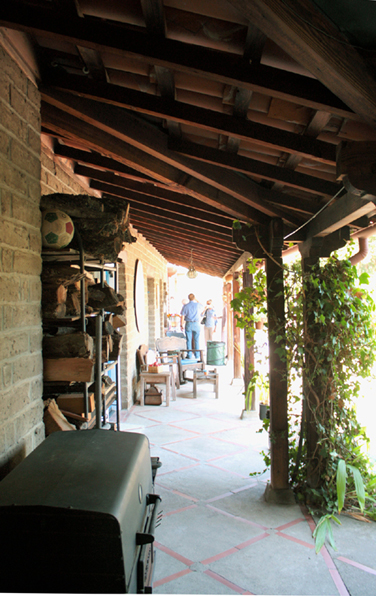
{"points": [[191, 314], [210, 321]]}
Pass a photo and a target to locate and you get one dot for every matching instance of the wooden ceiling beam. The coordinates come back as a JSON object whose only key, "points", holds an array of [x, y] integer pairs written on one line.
{"points": [[109, 141], [201, 179], [200, 215], [302, 30], [342, 213], [151, 190], [135, 197], [130, 42], [177, 222], [164, 107], [158, 238], [246, 165], [181, 232], [183, 251]]}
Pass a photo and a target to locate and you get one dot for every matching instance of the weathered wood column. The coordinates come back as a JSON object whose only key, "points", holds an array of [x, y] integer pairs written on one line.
{"points": [[236, 333], [279, 478]]}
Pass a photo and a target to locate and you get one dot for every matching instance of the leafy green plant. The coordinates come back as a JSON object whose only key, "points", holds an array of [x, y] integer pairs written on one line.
{"points": [[323, 529], [249, 305], [330, 346]]}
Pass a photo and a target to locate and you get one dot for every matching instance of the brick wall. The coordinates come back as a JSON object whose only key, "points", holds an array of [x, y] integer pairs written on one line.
{"points": [[155, 275], [29, 168], [21, 407]]}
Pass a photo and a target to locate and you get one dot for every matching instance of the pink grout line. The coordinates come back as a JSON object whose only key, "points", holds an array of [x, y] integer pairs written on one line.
{"points": [[170, 578], [226, 582], [234, 549], [231, 442], [358, 565], [232, 492], [178, 470], [223, 496], [194, 436], [181, 454], [239, 490], [290, 524], [226, 455], [179, 510], [226, 553], [244, 521], [224, 469], [172, 553], [309, 519], [296, 540], [176, 492]]}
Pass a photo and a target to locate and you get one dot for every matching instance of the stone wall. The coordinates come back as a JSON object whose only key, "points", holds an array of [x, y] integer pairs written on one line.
{"points": [[21, 407]]}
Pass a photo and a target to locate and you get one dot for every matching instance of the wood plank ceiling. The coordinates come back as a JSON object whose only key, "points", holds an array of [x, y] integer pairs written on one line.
{"points": [[198, 113]]}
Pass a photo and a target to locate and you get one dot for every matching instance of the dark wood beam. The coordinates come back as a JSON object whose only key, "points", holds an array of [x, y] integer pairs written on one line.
{"points": [[147, 140], [201, 215], [132, 43], [110, 141], [95, 159], [175, 223], [302, 30], [254, 167], [151, 190], [163, 240], [93, 64], [341, 213], [164, 107], [182, 232]]}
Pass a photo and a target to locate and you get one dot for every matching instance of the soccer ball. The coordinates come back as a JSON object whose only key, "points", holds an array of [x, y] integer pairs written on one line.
{"points": [[57, 229]]}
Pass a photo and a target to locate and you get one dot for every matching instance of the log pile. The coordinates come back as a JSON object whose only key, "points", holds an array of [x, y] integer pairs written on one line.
{"points": [[69, 353], [61, 290], [53, 418], [103, 224]]}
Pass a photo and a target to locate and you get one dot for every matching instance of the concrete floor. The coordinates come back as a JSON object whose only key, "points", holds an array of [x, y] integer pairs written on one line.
{"points": [[218, 535]]}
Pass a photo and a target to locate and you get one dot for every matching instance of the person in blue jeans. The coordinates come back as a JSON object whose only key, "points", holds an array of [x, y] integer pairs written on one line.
{"points": [[190, 313]]}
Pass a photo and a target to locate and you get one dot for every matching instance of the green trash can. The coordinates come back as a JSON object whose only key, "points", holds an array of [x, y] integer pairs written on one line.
{"points": [[215, 353]]}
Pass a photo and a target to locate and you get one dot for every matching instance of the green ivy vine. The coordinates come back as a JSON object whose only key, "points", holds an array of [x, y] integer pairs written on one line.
{"points": [[328, 352]]}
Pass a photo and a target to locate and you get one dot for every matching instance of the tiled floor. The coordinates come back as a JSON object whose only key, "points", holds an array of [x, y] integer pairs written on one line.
{"points": [[218, 535]]}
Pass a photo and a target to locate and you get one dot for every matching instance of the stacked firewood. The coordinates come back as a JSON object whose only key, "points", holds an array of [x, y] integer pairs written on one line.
{"points": [[103, 224], [69, 354]]}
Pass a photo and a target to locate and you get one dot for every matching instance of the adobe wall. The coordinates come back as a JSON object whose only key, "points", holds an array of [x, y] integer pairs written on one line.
{"points": [[21, 407]]}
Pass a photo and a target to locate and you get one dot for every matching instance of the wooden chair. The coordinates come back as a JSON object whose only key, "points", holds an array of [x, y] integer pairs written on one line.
{"points": [[177, 346], [165, 377], [169, 356]]}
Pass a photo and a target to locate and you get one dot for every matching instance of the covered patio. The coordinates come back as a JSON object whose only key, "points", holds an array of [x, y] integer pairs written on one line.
{"points": [[218, 534]]}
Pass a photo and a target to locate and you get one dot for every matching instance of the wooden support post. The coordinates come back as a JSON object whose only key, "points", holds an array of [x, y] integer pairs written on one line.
{"points": [[236, 334], [249, 352], [279, 480]]}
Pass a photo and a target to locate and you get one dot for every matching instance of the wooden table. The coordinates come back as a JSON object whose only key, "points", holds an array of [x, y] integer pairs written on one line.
{"points": [[211, 376], [163, 378]]}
